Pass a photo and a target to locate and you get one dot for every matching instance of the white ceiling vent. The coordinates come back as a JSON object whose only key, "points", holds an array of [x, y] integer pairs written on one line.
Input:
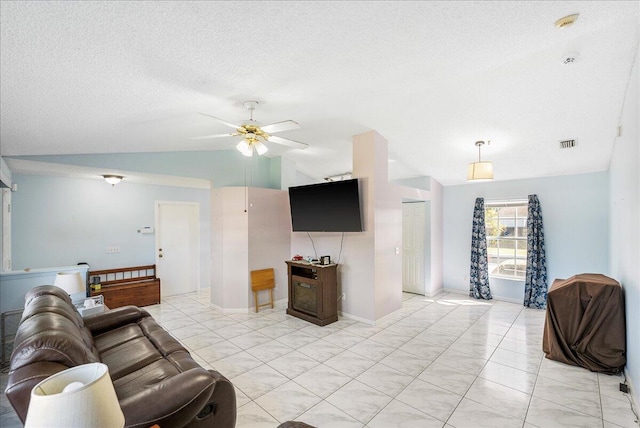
{"points": [[567, 144]]}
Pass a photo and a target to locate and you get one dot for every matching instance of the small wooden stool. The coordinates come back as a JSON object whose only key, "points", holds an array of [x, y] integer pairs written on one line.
{"points": [[262, 279]]}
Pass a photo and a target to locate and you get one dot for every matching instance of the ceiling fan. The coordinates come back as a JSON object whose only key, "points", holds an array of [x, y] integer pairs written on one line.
{"points": [[254, 134]]}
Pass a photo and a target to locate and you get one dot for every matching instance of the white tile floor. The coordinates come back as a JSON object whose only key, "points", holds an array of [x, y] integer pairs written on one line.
{"points": [[448, 361]]}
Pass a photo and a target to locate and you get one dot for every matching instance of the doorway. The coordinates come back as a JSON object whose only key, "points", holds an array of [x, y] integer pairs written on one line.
{"points": [[178, 247], [415, 246]]}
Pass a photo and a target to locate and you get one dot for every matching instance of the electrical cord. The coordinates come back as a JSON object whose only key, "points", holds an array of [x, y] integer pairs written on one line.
{"points": [[340, 254], [314, 245], [628, 395]]}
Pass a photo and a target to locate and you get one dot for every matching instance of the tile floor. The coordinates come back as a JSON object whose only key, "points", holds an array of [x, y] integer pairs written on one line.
{"points": [[447, 361]]}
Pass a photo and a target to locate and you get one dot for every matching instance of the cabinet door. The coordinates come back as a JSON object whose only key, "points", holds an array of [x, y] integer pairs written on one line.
{"points": [[306, 295]]}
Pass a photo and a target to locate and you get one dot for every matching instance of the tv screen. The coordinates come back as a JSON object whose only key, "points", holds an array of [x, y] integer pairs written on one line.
{"points": [[326, 207]]}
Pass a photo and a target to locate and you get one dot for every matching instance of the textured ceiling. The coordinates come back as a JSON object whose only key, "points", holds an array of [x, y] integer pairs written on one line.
{"points": [[430, 77]]}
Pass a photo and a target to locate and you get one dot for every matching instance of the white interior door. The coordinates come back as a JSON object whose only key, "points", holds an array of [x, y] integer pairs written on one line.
{"points": [[177, 247], [413, 251]]}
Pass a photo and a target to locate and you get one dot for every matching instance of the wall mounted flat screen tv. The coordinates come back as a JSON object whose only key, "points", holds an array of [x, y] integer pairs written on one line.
{"points": [[326, 207]]}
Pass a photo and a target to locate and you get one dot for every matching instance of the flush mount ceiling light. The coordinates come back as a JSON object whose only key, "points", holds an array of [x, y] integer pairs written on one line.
{"points": [[480, 171], [112, 179], [567, 21]]}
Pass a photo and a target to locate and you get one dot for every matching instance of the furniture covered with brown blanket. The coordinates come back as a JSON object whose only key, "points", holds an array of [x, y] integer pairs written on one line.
{"points": [[155, 378], [585, 323]]}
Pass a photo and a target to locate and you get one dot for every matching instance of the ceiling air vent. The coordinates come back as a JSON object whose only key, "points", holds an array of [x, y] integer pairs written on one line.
{"points": [[567, 144]]}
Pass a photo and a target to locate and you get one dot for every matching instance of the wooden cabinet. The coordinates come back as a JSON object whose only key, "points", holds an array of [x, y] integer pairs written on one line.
{"points": [[313, 292]]}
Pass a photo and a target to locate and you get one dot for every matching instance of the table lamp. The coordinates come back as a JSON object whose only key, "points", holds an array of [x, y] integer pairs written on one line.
{"points": [[72, 283], [82, 396]]}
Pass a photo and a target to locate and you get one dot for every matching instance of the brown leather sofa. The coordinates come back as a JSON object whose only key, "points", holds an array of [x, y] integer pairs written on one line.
{"points": [[155, 378]]}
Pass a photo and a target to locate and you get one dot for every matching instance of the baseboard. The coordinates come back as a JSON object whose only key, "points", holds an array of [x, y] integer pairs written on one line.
{"points": [[635, 400], [279, 304], [434, 292], [355, 318], [466, 293]]}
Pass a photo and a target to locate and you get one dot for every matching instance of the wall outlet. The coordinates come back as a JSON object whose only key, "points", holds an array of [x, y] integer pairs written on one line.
{"points": [[111, 250]]}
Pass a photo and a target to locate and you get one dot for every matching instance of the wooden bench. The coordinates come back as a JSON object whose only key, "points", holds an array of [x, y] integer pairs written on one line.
{"points": [[137, 285]]}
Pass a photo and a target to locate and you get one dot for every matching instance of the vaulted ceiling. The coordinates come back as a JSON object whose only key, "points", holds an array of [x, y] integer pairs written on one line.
{"points": [[431, 77]]}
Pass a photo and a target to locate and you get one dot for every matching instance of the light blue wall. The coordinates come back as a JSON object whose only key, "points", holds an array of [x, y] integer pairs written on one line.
{"points": [[1, 237], [625, 223], [576, 222], [222, 167], [60, 221]]}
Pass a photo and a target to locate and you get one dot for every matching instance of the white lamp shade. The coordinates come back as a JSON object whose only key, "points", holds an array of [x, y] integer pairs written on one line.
{"points": [[90, 402], [245, 148], [480, 171], [260, 148], [71, 282]]}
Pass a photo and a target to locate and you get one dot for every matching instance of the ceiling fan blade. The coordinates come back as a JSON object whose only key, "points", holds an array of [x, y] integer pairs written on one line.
{"points": [[287, 142], [206, 137], [229, 124], [280, 126]]}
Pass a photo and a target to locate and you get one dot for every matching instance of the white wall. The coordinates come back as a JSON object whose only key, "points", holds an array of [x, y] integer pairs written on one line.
{"points": [[242, 241], [576, 218], [229, 249], [625, 223], [270, 237], [370, 271], [58, 221]]}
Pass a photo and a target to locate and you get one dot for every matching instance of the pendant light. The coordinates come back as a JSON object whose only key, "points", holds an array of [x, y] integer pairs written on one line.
{"points": [[480, 171]]}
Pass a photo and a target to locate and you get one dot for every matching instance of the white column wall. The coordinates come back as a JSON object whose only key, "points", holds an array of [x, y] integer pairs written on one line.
{"points": [[269, 237], [229, 250], [370, 271], [244, 241]]}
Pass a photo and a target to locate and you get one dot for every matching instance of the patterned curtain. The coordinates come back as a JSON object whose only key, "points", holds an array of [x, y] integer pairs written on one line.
{"points": [[535, 286], [479, 275]]}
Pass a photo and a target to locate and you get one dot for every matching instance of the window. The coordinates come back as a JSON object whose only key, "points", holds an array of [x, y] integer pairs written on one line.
{"points": [[506, 229]]}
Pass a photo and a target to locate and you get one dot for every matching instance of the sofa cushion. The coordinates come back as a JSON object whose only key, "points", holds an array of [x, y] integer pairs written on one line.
{"points": [[113, 338], [51, 337], [147, 376], [129, 357]]}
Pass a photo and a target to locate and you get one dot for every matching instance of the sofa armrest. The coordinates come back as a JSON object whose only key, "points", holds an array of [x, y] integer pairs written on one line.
{"points": [[112, 319], [22, 381], [181, 400]]}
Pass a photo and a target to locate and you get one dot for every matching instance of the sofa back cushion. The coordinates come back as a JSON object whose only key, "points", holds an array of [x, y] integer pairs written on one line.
{"points": [[52, 330]]}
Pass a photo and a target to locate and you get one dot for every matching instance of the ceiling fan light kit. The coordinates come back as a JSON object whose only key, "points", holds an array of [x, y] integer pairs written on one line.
{"points": [[480, 171], [254, 135]]}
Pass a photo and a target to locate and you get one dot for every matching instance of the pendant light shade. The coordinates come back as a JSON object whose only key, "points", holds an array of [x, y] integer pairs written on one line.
{"points": [[480, 171]]}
